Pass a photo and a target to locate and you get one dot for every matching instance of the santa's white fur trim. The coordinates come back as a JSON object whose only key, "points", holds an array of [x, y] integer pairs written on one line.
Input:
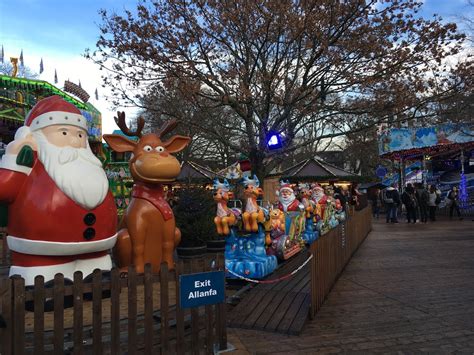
{"points": [[22, 132], [9, 162], [58, 117], [40, 247], [86, 266]]}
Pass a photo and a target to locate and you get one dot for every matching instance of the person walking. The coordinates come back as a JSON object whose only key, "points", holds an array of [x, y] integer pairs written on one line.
{"points": [[375, 202], [409, 200], [433, 201], [391, 201], [422, 197], [452, 199], [338, 194], [355, 194]]}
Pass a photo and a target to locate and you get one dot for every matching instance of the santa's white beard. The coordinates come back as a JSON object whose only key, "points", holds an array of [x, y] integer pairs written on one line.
{"points": [[76, 171], [287, 200], [317, 196]]}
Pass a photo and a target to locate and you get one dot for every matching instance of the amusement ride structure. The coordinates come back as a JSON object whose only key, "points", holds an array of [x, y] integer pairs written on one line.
{"points": [[19, 95]]}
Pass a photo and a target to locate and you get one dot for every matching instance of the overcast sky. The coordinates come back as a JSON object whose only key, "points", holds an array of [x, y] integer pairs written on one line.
{"points": [[59, 31]]}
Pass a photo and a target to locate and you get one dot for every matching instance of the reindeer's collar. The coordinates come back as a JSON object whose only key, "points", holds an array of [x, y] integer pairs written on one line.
{"points": [[154, 195]]}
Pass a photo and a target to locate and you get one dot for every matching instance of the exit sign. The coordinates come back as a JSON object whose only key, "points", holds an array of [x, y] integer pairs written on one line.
{"points": [[201, 289]]}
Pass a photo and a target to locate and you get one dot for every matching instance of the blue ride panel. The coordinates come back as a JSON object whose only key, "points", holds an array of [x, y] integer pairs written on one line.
{"points": [[246, 255], [310, 234]]}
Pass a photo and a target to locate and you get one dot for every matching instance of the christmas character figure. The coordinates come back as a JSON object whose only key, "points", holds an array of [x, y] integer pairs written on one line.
{"points": [[62, 217], [319, 198], [305, 197], [287, 198]]}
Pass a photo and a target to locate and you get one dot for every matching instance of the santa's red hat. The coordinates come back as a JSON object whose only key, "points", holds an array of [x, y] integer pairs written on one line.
{"points": [[54, 110], [286, 186]]}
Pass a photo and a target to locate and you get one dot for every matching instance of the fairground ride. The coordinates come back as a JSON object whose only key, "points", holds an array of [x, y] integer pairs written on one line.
{"points": [[19, 95]]}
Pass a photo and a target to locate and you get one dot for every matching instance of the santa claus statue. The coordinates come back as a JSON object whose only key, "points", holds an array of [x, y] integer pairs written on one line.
{"points": [[287, 198], [319, 199], [317, 194], [61, 217]]}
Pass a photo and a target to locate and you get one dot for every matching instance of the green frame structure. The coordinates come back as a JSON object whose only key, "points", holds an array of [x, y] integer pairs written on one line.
{"points": [[19, 95]]}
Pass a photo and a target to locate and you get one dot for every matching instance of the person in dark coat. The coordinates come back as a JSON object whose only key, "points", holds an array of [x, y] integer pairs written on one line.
{"points": [[410, 202], [422, 197], [340, 196], [452, 199], [391, 200], [355, 194], [375, 201], [433, 202]]}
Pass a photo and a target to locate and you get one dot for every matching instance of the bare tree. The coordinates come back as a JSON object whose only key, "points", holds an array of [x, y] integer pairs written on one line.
{"points": [[279, 65], [6, 68]]}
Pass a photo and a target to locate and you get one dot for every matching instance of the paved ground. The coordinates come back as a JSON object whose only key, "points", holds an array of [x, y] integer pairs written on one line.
{"points": [[408, 289]]}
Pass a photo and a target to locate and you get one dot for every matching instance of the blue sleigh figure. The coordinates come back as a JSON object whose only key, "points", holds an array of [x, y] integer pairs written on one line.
{"points": [[245, 255]]}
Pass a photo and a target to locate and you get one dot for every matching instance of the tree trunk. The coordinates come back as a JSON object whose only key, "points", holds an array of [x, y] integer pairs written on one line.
{"points": [[256, 161]]}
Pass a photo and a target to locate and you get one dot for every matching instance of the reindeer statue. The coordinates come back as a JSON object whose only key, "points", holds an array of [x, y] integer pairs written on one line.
{"points": [[225, 217], [253, 214], [147, 232]]}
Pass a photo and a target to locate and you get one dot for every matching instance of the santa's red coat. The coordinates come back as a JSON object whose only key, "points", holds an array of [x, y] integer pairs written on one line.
{"points": [[293, 206], [45, 227]]}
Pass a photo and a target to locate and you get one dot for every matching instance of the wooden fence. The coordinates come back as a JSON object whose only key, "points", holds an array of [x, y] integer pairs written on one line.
{"points": [[333, 251], [110, 314]]}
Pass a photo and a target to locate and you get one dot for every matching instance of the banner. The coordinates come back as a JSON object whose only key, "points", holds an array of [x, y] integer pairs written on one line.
{"points": [[399, 139]]}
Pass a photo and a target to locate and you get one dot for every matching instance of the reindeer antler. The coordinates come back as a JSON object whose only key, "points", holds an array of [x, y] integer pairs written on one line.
{"points": [[120, 121], [167, 127]]}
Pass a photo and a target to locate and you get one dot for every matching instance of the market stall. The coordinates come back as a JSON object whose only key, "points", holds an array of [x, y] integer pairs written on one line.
{"points": [[309, 170]]}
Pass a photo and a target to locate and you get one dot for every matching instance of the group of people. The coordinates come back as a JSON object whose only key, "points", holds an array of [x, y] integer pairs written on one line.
{"points": [[420, 203]]}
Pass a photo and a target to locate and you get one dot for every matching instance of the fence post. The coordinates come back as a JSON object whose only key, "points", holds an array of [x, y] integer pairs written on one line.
{"points": [[148, 290], [97, 311], [164, 306], [77, 293], [39, 315], [194, 316], [115, 287], [208, 261], [179, 312], [313, 249], [6, 332], [132, 310], [58, 299], [221, 322], [18, 315]]}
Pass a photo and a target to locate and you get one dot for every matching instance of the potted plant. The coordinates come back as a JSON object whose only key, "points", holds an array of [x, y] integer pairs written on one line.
{"points": [[194, 213], [215, 243]]}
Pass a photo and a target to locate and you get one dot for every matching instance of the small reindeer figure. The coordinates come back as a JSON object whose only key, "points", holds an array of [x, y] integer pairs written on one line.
{"points": [[225, 217], [253, 213], [305, 198], [147, 232]]}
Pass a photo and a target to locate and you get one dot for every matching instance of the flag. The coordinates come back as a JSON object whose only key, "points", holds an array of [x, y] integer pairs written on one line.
{"points": [[41, 66], [55, 77], [96, 94], [22, 63], [2, 54]]}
